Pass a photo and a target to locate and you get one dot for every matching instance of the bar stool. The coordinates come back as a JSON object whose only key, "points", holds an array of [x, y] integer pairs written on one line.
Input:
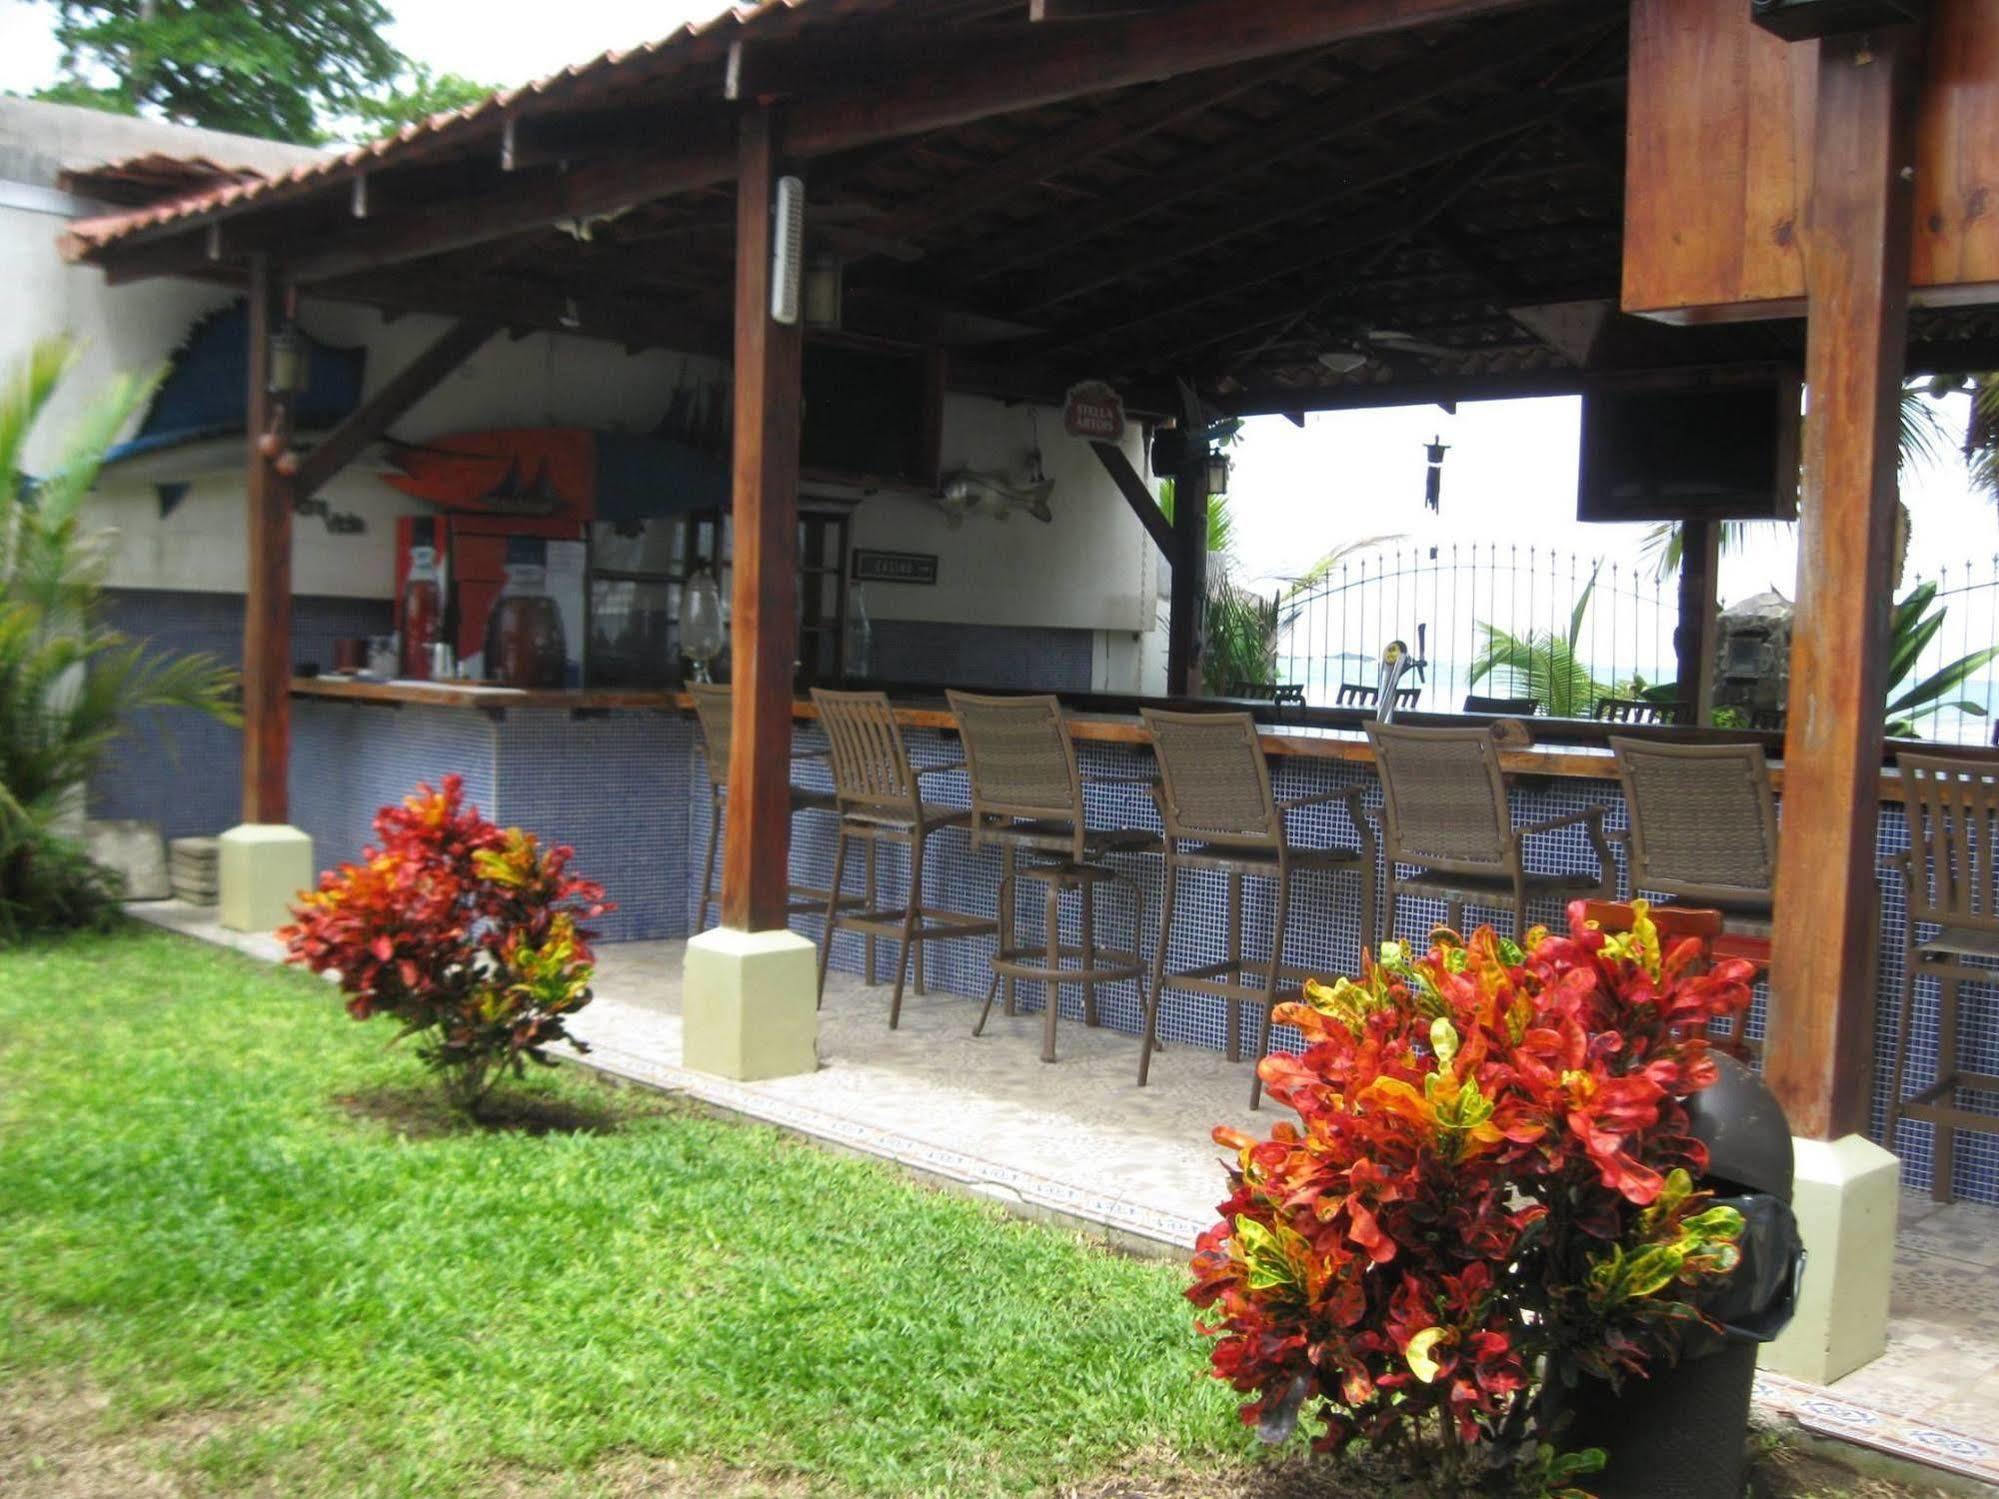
{"points": [[1219, 812], [713, 713], [880, 800], [1445, 816], [1952, 809], [1703, 826], [1027, 796]]}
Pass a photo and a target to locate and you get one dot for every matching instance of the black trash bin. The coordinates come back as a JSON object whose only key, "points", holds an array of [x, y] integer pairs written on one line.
{"points": [[1681, 1432]]}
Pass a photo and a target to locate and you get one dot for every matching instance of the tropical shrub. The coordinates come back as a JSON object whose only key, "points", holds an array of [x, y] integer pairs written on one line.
{"points": [[1543, 665], [465, 932], [69, 683], [1489, 1195]]}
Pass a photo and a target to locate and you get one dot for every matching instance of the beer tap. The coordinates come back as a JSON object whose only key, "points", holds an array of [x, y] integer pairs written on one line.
{"points": [[1397, 661]]}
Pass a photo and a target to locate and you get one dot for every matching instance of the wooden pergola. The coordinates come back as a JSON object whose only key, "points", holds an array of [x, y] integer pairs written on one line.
{"points": [[1196, 200]]}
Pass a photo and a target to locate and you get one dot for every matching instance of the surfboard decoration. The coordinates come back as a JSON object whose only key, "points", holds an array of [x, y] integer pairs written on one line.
{"points": [[194, 423], [567, 473]]}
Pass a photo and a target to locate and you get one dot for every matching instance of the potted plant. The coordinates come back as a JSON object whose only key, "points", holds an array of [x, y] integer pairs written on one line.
{"points": [[1491, 1193]]}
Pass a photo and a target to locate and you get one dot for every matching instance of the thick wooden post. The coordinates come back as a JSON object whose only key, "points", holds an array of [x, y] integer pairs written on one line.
{"points": [[756, 863], [267, 594], [1187, 604], [1819, 1053], [1693, 638]]}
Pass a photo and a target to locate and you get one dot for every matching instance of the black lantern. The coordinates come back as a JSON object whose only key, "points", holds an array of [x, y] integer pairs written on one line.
{"points": [[1218, 472]]}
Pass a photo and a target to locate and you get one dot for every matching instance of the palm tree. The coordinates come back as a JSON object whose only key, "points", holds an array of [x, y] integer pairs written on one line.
{"points": [[68, 682], [1544, 665]]}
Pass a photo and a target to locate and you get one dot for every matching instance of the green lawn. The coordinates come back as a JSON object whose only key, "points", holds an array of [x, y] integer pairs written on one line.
{"points": [[240, 1248]]}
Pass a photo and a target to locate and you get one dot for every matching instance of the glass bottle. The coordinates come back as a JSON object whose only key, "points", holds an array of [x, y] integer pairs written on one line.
{"points": [[524, 642], [701, 631], [422, 601], [860, 635]]}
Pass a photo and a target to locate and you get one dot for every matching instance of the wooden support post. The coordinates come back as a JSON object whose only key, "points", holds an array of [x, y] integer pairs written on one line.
{"points": [[756, 862], [1190, 555], [267, 594], [1693, 637], [1819, 1053]]}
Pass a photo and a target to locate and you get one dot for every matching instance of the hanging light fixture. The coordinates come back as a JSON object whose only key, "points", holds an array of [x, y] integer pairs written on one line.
{"points": [[289, 370], [1218, 471], [823, 292]]}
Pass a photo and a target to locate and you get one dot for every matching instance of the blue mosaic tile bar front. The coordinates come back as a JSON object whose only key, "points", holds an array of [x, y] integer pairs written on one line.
{"points": [[629, 789]]}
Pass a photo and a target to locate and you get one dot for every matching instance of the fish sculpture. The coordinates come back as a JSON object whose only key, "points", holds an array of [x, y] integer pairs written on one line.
{"points": [[971, 492]]}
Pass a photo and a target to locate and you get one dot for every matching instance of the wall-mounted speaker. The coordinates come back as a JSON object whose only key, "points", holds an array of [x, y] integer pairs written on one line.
{"points": [[1801, 20]]}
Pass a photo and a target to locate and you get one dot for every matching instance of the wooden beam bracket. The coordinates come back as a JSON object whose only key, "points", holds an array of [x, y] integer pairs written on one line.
{"points": [[1136, 495]]}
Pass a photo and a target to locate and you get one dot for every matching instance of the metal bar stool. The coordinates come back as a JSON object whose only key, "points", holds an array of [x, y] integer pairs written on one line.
{"points": [[1219, 812], [1027, 796], [1445, 817], [880, 800], [1952, 874], [1703, 826], [712, 711]]}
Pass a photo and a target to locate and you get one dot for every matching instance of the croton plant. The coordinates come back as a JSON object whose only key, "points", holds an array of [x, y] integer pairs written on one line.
{"points": [[1489, 1194], [467, 933]]}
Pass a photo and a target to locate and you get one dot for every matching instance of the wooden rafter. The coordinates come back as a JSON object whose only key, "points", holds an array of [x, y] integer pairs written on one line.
{"points": [[371, 419], [1139, 498]]}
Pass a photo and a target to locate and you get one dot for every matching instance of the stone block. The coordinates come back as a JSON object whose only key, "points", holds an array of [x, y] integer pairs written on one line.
{"points": [[132, 850], [264, 866], [1846, 1196], [749, 1005]]}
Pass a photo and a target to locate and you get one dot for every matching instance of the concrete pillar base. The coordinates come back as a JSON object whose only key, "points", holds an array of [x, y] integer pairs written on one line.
{"points": [[749, 1005], [1846, 1199], [262, 867]]}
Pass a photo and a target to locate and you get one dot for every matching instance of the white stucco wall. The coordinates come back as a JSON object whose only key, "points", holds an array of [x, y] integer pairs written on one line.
{"points": [[1093, 568]]}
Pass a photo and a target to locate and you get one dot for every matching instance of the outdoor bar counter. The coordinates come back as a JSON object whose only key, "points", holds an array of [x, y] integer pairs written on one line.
{"points": [[620, 776]]}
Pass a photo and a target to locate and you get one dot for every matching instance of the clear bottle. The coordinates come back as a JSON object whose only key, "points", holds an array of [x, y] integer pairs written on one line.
{"points": [[423, 602], [860, 635], [524, 641]]}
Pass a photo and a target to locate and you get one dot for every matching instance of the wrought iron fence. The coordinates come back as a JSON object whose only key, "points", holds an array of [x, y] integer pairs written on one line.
{"points": [[1334, 630], [1968, 594]]}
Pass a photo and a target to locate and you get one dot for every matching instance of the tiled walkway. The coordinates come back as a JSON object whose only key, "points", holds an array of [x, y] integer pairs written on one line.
{"points": [[1078, 1142]]}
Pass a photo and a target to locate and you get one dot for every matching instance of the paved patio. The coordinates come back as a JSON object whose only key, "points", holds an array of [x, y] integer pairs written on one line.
{"points": [[1077, 1143]]}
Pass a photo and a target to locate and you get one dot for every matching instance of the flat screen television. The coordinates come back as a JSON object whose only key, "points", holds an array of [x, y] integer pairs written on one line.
{"points": [[870, 414], [1719, 451]]}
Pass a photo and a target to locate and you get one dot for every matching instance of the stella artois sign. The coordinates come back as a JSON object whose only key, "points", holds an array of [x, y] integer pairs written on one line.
{"points": [[1094, 412]]}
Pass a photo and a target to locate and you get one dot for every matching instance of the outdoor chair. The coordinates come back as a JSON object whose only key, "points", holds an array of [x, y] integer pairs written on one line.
{"points": [[1027, 796], [1951, 872], [1504, 707], [1703, 826], [1220, 814], [1639, 710], [1445, 818], [713, 713], [1366, 695], [880, 800], [1280, 695], [1768, 720]]}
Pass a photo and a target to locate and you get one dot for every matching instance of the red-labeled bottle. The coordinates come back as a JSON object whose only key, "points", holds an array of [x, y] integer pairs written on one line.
{"points": [[524, 640], [423, 601]]}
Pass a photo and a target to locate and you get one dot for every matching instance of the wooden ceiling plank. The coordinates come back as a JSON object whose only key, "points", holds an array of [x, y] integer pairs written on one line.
{"points": [[1346, 111]]}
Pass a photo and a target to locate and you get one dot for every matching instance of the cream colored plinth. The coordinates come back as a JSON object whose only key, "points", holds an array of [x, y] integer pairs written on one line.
{"points": [[749, 1005], [1845, 1199], [262, 869]]}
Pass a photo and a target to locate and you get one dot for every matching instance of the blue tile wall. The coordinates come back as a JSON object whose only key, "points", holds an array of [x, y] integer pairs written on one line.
{"points": [[181, 770], [348, 759], [1323, 931], [922, 651]]}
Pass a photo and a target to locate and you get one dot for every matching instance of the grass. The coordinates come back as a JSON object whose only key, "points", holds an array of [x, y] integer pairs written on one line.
{"points": [[247, 1251], [222, 1198]]}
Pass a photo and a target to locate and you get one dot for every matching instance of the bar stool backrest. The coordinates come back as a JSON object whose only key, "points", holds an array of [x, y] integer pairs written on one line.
{"points": [[1443, 800], [714, 712], [1703, 821], [1021, 764], [870, 766], [1952, 808], [1214, 784], [1507, 707], [1638, 710]]}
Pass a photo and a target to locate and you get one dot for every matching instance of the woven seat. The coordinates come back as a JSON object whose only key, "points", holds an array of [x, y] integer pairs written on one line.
{"points": [[713, 712], [1505, 707], [1951, 872], [1639, 710], [1445, 820], [1219, 812], [881, 801], [1027, 797], [1703, 826]]}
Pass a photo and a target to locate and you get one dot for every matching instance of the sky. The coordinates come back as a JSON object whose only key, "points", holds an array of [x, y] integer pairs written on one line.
{"points": [[1510, 473]]}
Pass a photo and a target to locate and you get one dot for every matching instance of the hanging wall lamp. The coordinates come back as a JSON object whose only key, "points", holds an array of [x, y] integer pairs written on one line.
{"points": [[289, 369]]}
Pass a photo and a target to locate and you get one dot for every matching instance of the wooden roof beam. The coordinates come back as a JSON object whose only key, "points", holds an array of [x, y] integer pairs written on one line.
{"points": [[371, 419], [517, 303]]}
